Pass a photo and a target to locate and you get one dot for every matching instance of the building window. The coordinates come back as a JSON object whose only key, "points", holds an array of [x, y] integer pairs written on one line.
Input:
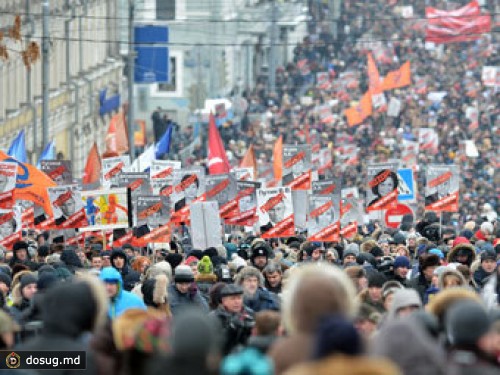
{"points": [[174, 87], [165, 9]]}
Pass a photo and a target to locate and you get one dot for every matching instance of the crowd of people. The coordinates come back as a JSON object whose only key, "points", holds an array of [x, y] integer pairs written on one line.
{"points": [[423, 298]]}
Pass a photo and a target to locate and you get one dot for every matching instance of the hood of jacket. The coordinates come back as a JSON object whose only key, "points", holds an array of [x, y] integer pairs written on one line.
{"points": [[452, 255], [112, 274], [450, 271]]}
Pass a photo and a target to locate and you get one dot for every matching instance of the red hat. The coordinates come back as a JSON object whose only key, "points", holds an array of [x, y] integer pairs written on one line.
{"points": [[191, 259], [460, 240]]}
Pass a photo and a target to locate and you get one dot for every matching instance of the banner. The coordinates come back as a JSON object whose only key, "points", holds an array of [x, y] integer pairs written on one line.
{"points": [[441, 189], [382, 186], [297, 168], [152, 220], [106, 209], [409, 153], [490, 76], [137, 182], [111, 169], [59, 171], [300, 202], [245, 173], [351, 208], [322, 160], [68, 208], [161, 178], [428, 140], [222, 189], [8, 177], [247, 204], [10, 227], [347, 155], [327, 187], [323, 222], [275, 212], [206, 228], [189, 187]]}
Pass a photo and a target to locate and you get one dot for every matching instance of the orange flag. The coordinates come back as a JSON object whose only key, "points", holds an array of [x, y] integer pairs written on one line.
{"points": [[249, 160], [31, 184], [278, 159], [92, 171], [356, 115], [373, 75], [398, 78], [117, 137]]}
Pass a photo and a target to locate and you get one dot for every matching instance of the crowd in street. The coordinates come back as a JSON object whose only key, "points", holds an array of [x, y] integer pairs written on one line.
{"points": [[420, 299]]}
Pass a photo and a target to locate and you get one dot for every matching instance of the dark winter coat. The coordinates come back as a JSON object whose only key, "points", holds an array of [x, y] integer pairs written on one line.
{"points": [[178, 300], [262, 300]]}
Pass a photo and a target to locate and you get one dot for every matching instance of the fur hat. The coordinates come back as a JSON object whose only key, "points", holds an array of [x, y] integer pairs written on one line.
{"points": [[429, 260], [450, 271], [160, 268], [376, 280], [368, 245], [249, 271], [155, 291], [439, 305]]}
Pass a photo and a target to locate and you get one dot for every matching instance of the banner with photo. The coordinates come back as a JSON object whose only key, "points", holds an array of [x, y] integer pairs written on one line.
{"points": [[152, 220], [244, 174], [297, 167], [8, 178], [352, 209], [382, 186], [10, 227], [322, 160], [161, 177], [137, 182], [327, 187], [106, 209], [60, 171], [189, 187], [441, 189], [323, 219], [111, 169], [275, 212], [409, 153], [428, 140], [347, 156], [68, 208], [247, 204], [223, 189]]}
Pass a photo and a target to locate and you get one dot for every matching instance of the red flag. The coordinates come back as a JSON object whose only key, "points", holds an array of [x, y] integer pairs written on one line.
{"points": [[92, 171], [373, 75], [31, 183], [117, 137], [217, 158], [278, 159], [398, 78], [249, 160], [357, 114]]}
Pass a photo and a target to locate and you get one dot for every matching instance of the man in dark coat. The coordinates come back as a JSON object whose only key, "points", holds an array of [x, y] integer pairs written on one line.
{"points": [[119, 261]]}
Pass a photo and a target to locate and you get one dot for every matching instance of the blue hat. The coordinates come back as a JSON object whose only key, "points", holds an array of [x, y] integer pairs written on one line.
{"points": [[437, 252], [401, 261]]}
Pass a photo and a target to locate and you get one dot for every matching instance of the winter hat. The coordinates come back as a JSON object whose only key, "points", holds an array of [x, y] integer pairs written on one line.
{"points": [[401, 262], [405, 297], [238, 261], [191, 259], [337, 335], [174, 259], [260, 249], [366, 259], [376, 280], [43, 251], [231, 290], [399, 238], [19, 245], [205, 266], [309, 247], [154, 291], [183, 274], [377, 251], [390, 287], [46, 280], [460, 240], [211, 252], [352, 248], [488, 255], [63, 274], [231, 249], [465, 323], [46, 268], [487, 227], [151, 337], [430, 260], [467, 234], [196, 253], [27, 279], [437, 252], [6, 279]]}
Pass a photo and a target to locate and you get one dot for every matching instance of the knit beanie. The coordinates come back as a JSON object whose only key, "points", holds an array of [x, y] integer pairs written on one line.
{"points": [[376, 280], [401, 262], [27, 279], [183, 274], [205, 266], [336, 335], [6, 279]]}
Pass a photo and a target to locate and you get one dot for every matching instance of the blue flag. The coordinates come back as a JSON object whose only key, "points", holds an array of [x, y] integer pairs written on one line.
{"points": [[48, 153], [163, 146], [18, 148]]}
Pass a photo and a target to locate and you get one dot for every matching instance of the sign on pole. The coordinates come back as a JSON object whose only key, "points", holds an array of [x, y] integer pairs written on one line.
{"points": [[152, 55]]}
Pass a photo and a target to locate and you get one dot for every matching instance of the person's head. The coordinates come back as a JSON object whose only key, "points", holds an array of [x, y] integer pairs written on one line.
{"points": [[20, 250], [260, 255], [267, 323], [112, 281], [191, 190], [273, 274], [250, 279], [155, 219], [375, 283], [405, 302], [401, 266], [489, 261], [5, 283], [68, 207], [389, 184], [428, 263], [247, 203], [96, 261], [450, 278], [118, 259], [106, 259], [388, 290], [231, 297], [366, 320], [28, 285], [349, 257], [277, 212], [129, 250], [183, 278], [140, 264], [7, 228]]}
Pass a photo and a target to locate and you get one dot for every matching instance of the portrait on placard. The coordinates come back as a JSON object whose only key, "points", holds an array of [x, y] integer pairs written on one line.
{"points": [[67, 206], [8, 178], [152, 213], [189, 185], [275, 212], [323, 217], [221, 188], [382, 186], [442, 188], [60, 171], [111, 169], [297, 166]]}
